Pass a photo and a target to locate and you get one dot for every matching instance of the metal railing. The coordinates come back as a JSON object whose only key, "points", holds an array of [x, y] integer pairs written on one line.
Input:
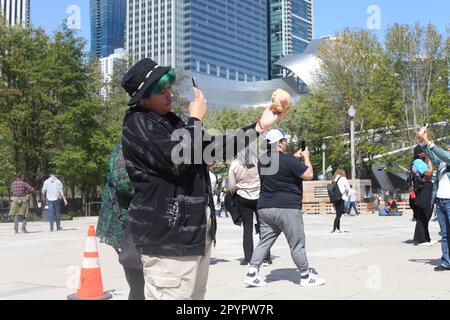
{"points": [[89, 207], [4, 215]]}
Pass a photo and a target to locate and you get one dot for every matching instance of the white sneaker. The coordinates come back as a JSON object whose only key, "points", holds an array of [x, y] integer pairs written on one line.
{"points": [[427, 244], [311, 281], [254, 280]]}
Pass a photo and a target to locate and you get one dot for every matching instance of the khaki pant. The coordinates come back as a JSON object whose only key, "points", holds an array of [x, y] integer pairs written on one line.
{"points": [[19, 206], [178, 278]]}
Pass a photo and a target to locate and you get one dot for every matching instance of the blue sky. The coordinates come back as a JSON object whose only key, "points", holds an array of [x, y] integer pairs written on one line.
{"points": [[330, 15]]}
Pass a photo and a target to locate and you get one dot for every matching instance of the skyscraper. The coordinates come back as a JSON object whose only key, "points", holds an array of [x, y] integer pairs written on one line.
{"points": [[220, 38], [290, 29], [16, 11], [107, 26]]}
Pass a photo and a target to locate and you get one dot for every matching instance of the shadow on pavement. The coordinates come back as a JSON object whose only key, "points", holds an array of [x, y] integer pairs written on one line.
{"points": [[32, 232], [215, 261], [291, 275], [64, 230], [433, 262]]}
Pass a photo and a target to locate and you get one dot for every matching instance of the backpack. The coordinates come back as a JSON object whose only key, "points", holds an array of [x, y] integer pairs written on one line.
{"points": [[117, 194], [334, 192]]}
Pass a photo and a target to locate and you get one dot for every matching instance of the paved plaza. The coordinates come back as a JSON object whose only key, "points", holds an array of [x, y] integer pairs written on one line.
{"points": [[374, 259]]}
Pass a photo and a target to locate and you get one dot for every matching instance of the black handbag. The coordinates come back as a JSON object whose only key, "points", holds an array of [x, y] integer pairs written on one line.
{"points": [[232, 207], [418, 183]]}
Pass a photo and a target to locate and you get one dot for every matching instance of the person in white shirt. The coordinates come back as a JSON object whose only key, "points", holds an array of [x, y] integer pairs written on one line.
{"points": [[340, 177], [352, 196], [53, 192]]}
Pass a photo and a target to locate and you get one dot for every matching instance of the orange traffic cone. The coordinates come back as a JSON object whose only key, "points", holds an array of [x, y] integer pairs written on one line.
{"points": [[91, 285]]}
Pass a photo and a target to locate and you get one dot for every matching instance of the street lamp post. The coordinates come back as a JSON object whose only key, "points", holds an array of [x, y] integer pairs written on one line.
{"points": [[352, 115], [324, 149]]}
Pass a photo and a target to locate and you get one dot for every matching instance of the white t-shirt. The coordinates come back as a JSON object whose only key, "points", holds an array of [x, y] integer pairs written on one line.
{"points": [[344, 187], [352, 194], [444, 188], [53, 188]]}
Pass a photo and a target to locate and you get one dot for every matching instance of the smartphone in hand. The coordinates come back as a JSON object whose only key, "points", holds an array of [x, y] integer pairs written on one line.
{"points": [[194, 82], [303, 145]]}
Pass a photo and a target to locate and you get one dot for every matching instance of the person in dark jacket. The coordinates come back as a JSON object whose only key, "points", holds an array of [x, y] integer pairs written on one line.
{"points": [[171, 216]]}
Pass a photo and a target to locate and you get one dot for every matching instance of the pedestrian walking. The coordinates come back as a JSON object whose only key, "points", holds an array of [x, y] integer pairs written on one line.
{"points": [[352, 199], [280, 208], [171, 216], [20, 191], [421, 196], [441, 194], [223, 208], [53, 193], [340, 179]]}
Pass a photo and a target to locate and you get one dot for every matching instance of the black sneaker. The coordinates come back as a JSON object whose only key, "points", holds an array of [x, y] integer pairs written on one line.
{"points": [[442, 268]]}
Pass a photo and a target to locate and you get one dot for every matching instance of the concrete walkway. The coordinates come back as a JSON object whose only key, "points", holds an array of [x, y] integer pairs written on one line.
{"points": [[375, 259]]}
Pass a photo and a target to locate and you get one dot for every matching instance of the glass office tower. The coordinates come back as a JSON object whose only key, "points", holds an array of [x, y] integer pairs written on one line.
{"points": [[107, 26], [220, 38], [227, 38], [290, 28], [16, 11]]}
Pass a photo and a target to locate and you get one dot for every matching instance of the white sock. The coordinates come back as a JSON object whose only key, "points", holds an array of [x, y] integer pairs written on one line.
{"points": [[252, 270]]}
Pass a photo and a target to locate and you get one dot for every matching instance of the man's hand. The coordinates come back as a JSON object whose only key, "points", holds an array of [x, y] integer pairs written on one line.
{"points": [[302, 154], [269, 118], [199, 107]]}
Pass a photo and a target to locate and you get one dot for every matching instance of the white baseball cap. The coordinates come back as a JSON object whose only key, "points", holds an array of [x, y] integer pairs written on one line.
{"points": [[275, 135]]}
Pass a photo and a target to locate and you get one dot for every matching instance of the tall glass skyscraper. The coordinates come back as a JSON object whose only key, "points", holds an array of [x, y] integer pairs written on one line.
{"points": [[16, 11], [291, 30], [220, 38], [107, 26]]}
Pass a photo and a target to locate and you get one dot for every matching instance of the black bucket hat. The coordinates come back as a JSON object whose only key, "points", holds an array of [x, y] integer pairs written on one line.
{"points": [[141, 77]]}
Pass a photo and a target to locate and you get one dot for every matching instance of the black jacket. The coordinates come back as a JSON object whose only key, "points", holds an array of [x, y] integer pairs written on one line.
{"points": [[167, 217]]}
